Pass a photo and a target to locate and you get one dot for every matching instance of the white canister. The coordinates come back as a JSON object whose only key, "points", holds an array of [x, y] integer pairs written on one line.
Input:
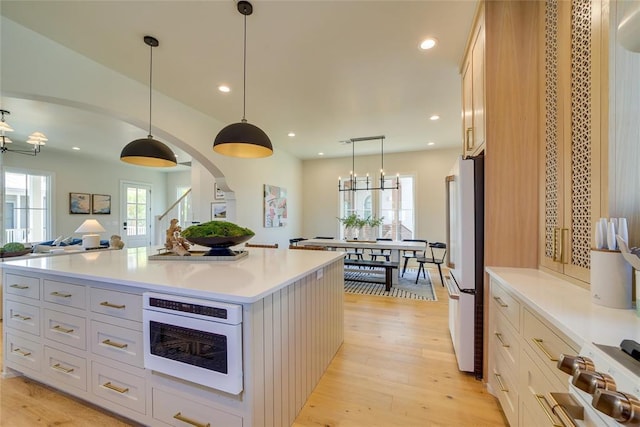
{"points": [[610, 279]]}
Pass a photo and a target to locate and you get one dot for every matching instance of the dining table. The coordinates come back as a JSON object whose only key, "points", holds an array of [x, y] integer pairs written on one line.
{"points": [[394, 246]]}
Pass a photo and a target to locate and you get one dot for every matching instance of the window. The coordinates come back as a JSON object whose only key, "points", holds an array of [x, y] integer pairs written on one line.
{"points": [[184, 206], [27, 207], [396, 207]]}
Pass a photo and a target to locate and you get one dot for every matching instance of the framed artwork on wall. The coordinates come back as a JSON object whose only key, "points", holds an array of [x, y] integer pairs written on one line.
{"points": [[218, 211], [79, 203], [101, 204], [218, 194], [275, 206]]}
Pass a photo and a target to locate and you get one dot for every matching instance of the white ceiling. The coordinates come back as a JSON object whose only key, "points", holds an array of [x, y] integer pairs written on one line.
{"points": [[326, 70]]}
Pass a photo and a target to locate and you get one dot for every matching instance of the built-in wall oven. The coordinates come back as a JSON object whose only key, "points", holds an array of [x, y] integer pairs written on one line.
{"points": [[193, 339]]}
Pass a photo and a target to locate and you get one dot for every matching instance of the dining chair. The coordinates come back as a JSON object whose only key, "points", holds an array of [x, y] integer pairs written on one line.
{"points": [[261, 245], [408, 254], [437, 258], [296, 240], [386, 253]]}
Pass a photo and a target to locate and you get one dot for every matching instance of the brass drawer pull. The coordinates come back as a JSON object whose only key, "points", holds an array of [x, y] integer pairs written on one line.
{"points": [[499, 336], [115, 388], [538, 342], [60, 294], [22, 353], [499, 379], [17, 286], [61, 368], [114, 344], [500, 302], [108, 304], [61, 329], [184, 419], [542, 401], [21, 317]]}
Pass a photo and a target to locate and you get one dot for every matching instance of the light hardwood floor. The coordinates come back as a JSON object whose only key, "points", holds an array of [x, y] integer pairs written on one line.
{"points": [[395, 368]]}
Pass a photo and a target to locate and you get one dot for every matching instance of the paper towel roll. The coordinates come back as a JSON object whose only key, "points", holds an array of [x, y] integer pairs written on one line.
{"points": [[610, 279]]}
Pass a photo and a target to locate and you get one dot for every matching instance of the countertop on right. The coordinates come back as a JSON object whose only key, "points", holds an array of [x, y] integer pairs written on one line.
{"points": [[568, 307]]}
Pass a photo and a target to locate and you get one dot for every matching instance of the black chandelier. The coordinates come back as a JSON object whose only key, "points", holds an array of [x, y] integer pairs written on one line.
{"points": [[356, 183]]}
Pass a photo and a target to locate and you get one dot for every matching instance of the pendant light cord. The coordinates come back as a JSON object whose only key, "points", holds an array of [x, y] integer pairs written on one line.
{"points": [[150, 82], [244, 72]]}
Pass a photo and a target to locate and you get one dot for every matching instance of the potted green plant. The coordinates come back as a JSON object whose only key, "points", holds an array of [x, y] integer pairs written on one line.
{"points": [[352, 225], [369, 230]]}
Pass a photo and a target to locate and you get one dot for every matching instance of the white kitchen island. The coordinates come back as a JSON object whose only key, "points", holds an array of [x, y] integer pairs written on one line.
{"points": [[59, 331]]}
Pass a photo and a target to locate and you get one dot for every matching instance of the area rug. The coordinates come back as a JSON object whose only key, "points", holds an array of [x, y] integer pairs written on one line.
{"points": [[405, 289]]}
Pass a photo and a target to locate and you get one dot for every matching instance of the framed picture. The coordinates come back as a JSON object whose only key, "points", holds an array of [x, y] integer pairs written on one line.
{"points": [[79, 203], [101, 204], [218, 193], [218, 211], [275, 206]]}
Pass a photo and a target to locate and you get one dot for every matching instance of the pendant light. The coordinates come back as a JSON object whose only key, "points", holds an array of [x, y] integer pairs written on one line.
{"points": [[148, 151], [243, 139]]}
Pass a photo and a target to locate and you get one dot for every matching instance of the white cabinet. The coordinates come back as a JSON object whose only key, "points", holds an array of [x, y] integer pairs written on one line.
{"points": [[182, 410], [523, 351]]}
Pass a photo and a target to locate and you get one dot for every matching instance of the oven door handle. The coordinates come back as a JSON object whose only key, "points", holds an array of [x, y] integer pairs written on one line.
{"points": [[564, 406]]}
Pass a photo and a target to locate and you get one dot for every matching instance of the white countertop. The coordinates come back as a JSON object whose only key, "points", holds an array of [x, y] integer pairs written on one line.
{"points": [[568, 307], [365, 244], [246, 280]]}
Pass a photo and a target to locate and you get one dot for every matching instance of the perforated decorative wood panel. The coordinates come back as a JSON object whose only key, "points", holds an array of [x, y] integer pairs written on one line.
{"points": [[581, 132], [551, 124]]}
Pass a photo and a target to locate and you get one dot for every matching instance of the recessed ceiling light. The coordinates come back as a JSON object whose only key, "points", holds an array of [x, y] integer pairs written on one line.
{"points": [[75, 148], [321, 154], [223, 88], [431, 143], [291, 134], [434, 117], [428, 44]]}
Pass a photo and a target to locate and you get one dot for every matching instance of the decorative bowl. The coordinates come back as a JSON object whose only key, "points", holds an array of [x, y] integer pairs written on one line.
{"points": [[219, 246], [12, 254]]}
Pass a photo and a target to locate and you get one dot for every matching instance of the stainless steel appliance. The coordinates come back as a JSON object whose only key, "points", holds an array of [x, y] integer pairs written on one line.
{"points": [[465, 240], [605, 383], [193, 339]]}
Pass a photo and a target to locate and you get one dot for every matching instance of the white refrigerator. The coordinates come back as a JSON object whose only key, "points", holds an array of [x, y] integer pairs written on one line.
{"points": [[465, 242]]}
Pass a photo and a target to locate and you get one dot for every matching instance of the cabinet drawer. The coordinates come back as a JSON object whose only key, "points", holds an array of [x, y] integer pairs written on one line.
{"points": [[505, 385], [117, 304], [65, 368], [119, 387], [505, 341], [23, 352], [65, 328], [547, 346], [23, 286], [23, 317], [121, 344], [178, 410], [504, 303], [65, 294]]}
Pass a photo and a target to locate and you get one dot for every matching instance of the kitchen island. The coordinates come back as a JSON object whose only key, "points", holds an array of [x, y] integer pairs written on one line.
{"points": [[76, 324]]}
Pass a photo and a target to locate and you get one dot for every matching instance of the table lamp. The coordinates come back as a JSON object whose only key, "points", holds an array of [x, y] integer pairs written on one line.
{"points": [[93, 227]]}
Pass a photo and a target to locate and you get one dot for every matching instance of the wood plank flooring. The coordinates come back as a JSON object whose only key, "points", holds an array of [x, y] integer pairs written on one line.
{"points": [[396, 367]]}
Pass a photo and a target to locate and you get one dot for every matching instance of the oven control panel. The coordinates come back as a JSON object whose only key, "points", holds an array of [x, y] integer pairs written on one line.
{"points": [[607, 379], [192, 307]]}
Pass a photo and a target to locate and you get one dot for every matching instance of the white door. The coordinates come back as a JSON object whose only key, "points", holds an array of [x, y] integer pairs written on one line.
{"points": [[135, 212]]}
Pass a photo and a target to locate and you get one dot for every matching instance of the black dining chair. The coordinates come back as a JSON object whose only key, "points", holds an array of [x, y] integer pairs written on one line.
{"points": [[438, 251], [408, 254], [386, 253]]}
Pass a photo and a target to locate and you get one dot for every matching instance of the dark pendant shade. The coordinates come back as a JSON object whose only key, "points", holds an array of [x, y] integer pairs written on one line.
{"points": [[244, 140], [148, 152]]}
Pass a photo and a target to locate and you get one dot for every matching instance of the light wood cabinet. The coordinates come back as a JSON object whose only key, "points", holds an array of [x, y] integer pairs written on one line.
{"points": [[573, 131], [473, 83], [522, 355]]}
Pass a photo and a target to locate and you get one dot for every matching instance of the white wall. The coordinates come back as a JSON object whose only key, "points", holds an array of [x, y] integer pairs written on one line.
{"points": [[321, 197], [76, 173]]}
